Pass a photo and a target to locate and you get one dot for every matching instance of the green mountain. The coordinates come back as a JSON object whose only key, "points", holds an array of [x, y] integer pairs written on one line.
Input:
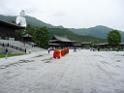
{"points": [[97, 31], [67, 33], [32, 21]]}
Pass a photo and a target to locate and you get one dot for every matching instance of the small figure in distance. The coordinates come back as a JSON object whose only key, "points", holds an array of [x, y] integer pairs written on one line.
{"points": [[75, 50], [3, 45], [49, 49], [25, 50], [6, 53], [29, 51]]}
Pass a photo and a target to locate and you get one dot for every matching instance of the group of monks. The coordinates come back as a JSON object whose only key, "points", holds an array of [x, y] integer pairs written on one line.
{"points": [[58, 53]]}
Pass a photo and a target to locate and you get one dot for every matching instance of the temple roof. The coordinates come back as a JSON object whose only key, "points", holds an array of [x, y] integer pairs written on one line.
{"points": [[10, 25], [54, 44], [63, 39], [27, 35], [101, 44]]}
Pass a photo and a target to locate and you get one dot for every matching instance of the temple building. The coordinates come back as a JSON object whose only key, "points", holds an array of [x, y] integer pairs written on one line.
{"points": [[9, 30], [58, 41]]}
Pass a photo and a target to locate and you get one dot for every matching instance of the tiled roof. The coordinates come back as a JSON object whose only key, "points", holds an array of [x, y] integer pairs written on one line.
{"points": [[10, 25], [63, 39]]}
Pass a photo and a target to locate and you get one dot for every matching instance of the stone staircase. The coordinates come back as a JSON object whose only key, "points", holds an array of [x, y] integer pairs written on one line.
{"points": [[19, 46]]}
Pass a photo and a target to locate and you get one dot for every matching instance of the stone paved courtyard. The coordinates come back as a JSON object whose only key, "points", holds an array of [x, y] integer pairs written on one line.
{"points": [[78, 72]]}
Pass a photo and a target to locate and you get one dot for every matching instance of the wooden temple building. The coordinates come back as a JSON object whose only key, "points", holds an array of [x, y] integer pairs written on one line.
{"points": [[102, 45], [9, 30], [27, 38], [106, 45], [58, 41], [86, 45]]}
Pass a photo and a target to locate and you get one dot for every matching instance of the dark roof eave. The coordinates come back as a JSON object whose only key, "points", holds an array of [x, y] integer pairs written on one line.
{"points": [[10, 25], [54, 44], [63, 39]]}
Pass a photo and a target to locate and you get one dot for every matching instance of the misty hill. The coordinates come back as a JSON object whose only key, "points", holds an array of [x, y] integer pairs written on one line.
{"points": [[58, 30], [67, 33], [32, 21], [97, 31]]}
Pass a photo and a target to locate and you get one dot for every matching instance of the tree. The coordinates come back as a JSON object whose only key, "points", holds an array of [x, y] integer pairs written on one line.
{"points": [[114, 38], [41, 37], [30, 30]]}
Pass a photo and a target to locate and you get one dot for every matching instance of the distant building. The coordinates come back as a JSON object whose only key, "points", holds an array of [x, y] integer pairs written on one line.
{"points": [[86, 44], [58, 41], [27, 38], [9, 30], [102, 45]]}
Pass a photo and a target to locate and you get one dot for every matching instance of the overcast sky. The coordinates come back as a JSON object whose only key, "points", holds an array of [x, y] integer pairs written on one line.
{"points": [[70, 13]]}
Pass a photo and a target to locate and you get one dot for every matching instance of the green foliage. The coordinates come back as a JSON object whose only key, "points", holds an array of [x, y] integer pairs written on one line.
{"points": [[9, 55], [30, 30], [41, 37], [114, 38], [19, 34]]}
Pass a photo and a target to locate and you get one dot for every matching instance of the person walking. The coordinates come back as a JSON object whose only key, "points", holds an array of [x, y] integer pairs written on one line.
{"points": [[3, 45], [6, 53], [49, 49], [29, 51], [25, 50]]}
